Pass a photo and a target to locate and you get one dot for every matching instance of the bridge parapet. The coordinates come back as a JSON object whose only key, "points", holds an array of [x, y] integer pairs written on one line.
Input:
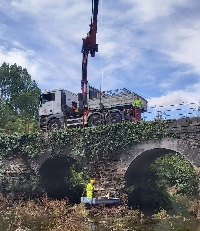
{"points": [[184, 125]]}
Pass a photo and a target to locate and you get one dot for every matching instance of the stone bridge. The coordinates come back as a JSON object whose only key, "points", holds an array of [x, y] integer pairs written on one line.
{"points": [[112, 170]]}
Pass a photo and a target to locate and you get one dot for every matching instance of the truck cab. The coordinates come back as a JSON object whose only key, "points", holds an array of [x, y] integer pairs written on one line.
{"points": [[52, 107], [50, 102]]}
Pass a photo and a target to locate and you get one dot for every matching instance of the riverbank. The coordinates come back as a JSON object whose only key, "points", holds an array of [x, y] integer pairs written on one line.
{"points": [[59, 215], [44, 214]]}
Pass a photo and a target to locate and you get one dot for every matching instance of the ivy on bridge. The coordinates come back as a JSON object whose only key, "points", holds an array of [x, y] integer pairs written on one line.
{"points": [[84, 142]]}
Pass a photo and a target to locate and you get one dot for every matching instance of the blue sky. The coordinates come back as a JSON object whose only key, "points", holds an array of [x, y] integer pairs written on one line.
{"points": [[150, 47]]}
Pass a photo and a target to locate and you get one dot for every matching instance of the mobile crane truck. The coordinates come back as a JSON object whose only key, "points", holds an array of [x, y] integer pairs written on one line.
{"points": [[61, 108]]}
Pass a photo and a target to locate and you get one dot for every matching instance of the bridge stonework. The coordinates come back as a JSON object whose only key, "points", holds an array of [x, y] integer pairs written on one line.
{"points": [[111, 169]]}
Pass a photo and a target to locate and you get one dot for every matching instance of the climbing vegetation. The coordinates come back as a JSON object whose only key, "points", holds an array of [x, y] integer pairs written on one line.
{"points": [[85, 142], [30, 144]]}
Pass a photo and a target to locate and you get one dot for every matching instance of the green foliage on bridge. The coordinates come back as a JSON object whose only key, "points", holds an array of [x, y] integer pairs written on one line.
{"points": [[83, 141]]}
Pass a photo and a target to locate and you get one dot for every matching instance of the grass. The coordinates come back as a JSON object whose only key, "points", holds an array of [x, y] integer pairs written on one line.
{"points": [[43, 214], [46, 214]]}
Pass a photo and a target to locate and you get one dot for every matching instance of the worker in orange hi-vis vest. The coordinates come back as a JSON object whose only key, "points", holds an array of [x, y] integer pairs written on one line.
{"points": [[137, 105]]}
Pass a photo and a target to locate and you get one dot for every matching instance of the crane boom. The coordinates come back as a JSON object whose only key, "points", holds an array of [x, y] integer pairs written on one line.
{"points": [[61, 108], [89, 46]]}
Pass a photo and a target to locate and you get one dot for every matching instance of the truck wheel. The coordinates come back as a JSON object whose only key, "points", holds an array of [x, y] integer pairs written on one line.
{"points": [[54, 124], [113, 118], [95, 120]]}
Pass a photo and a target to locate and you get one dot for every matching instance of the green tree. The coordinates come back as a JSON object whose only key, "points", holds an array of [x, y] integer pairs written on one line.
{"points": [[173, 170], [19, 97], [7, 116], [154, 188]]}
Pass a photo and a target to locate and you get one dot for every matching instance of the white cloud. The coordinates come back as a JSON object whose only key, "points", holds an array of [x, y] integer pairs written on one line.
{"points": [[136, 39], [20, 56], [27, 59], [151, 10], [188, 95], [186, 46]]}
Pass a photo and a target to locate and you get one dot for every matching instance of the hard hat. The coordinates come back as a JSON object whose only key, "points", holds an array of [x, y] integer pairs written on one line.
{"points": [[92, 181]]}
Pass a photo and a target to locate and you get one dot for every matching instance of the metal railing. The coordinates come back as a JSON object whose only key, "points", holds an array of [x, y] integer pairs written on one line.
{"points": [[174, 111]]}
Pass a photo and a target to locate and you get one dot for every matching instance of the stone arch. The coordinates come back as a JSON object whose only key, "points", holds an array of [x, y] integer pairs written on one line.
{"points": [[39, 160], [55, 174], [143, 161], [135, 162], [144, 153]]}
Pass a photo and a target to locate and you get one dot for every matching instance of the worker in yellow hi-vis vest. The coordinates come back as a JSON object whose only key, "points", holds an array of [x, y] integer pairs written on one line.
{"points": [[90, 189], [138, 102], [137, 106]]}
